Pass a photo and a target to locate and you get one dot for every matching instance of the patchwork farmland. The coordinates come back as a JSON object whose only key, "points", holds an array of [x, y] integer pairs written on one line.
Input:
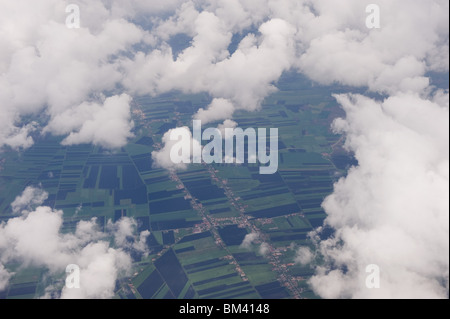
{"points": [[197, 218]]}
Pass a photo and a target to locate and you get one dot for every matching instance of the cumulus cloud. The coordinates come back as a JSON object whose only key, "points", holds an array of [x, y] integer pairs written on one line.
{"points": [[219, 109], [140, 244], [31, 196], [226, 124], [108, 125], [327, 44], [304, 256], [15, 137], [35, 239], [342, 49], [243, 78], [100, 266], [249, 239], [252, 241], [47, 68], [5, 276], [124, 231], [264, 249], [393, 209], [178, 149]]}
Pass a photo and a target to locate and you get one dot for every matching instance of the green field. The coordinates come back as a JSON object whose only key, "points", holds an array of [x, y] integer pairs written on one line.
{"points": [[87, 181]]}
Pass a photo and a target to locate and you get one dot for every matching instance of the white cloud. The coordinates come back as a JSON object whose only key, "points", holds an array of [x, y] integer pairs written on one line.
{"points": [[140, 244], [252, 240], [183, 22], [392, 209], [15, 137], [124, 231], [30, 196], [5, 276], [36, 239], [108, 125], [100, 267], [360, 55], [178, 141], [304, 256], [244, 78], [226, 124], [249, 239], [47, 68], [219, 109], [264, 249]]}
